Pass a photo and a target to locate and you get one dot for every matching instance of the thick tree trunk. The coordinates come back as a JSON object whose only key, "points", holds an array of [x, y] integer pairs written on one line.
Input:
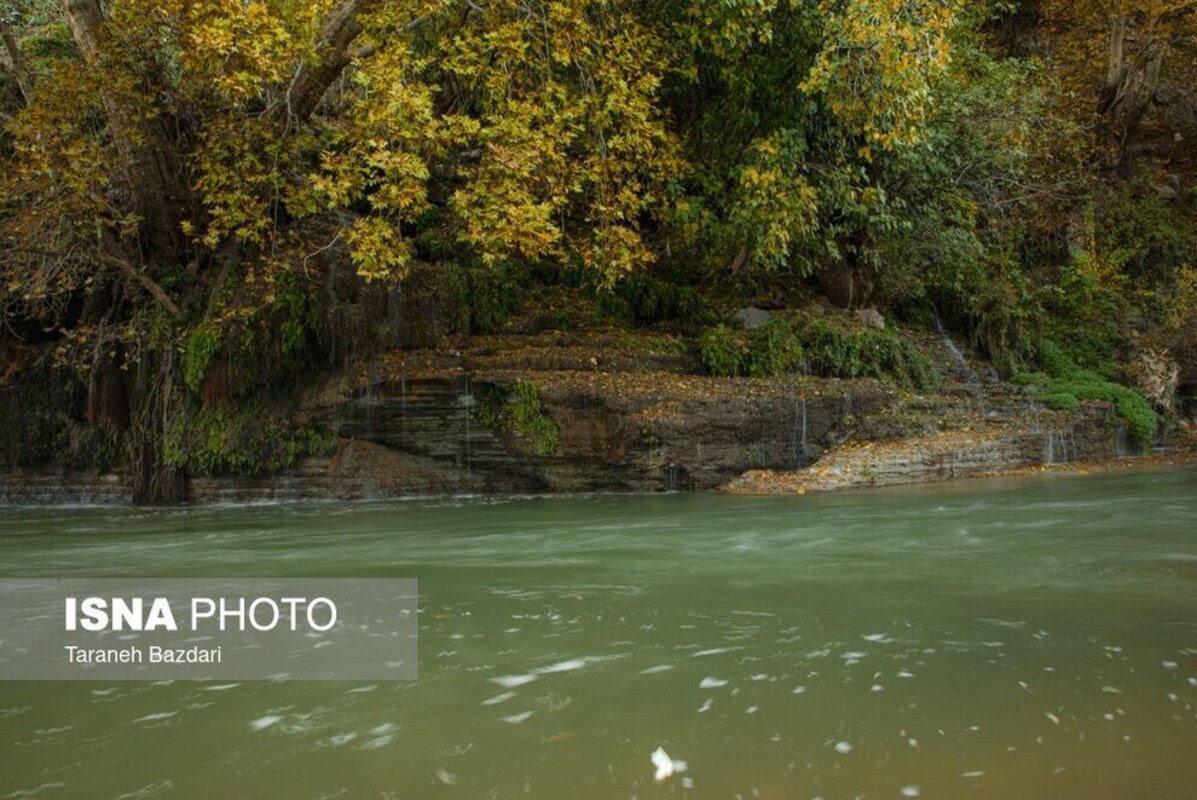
{"points": [[147, 154], [847, 284]]}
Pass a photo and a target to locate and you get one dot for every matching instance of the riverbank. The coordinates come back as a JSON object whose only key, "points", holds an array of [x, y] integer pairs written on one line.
{"points": [[613, 410]]}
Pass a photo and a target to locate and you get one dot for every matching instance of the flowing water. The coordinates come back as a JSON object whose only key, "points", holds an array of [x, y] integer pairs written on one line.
{"points": [[1030, 638]]}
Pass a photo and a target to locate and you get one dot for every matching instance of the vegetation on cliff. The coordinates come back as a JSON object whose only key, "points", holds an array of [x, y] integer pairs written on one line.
{"points": [[203, 201]]}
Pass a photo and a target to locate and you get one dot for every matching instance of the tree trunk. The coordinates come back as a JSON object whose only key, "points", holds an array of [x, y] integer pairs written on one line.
{"points": [[332, 53], [148, 157], [19, 69]]}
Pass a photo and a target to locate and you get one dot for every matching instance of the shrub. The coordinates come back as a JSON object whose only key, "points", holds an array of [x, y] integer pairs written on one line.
{"points": [[723, 352], [774, 349]]}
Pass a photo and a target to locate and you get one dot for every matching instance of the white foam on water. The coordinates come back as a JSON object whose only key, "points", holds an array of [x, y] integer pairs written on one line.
{"points": [[876, 687], [705, 707], [262, 723], [714, 651], [32, 792], [362, 689], [752, 709], [155, 717], [976, 773], [499, 698], [843, 748], [711, 683], [911, 791], [799, 690], [377, 742], [656, 669], [220, 687], [516, 719], [512, 681], [883, 638]]}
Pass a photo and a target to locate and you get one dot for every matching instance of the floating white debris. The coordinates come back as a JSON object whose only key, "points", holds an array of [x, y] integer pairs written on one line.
{"points": [[911, 791], [262, 723], [656, 669], [445, 777], [905, 673], [156, 717], [877, 637], [913, 742], [714, 651], [666, 767], [752, 709], [516, 719], [876, 687], [705, 707], [799, 690], [1170, 664], [1052, 717], [711, 683], [976, 773], [220, 687], [843, 748], [1111, 690]]}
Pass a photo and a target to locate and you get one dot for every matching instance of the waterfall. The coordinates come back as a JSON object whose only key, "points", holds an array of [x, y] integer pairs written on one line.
{"points": [[1049, 448], [805, 446], [799, 432], [466, 401], [949, 343], [671, 474]]}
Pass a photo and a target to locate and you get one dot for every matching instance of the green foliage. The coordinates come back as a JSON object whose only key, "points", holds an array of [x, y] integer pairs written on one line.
{"points": [[780, 346], [203, 345], [491, 294], [295, 306], [723, 351], [1063, 384], [835, 352], [774, 349], [521, 412], [242, 440], [645, 299]]}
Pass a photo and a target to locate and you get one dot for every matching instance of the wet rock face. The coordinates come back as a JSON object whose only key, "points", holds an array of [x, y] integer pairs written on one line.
{"points": [[610, 437]]}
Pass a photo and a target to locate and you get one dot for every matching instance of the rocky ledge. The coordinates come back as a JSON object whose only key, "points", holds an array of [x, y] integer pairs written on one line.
{"points": [[605, 412]]}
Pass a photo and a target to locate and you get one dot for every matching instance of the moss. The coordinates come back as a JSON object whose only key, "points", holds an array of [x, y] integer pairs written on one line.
{"points": [[247, 440], [1063, 384], [522, 413], [202, 346]]}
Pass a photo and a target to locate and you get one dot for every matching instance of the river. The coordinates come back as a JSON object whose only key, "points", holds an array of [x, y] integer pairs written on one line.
{"points": [[1017, 638]]}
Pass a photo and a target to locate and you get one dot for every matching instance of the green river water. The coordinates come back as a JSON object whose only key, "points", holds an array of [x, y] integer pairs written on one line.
{"points": [[1024, 638]]}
